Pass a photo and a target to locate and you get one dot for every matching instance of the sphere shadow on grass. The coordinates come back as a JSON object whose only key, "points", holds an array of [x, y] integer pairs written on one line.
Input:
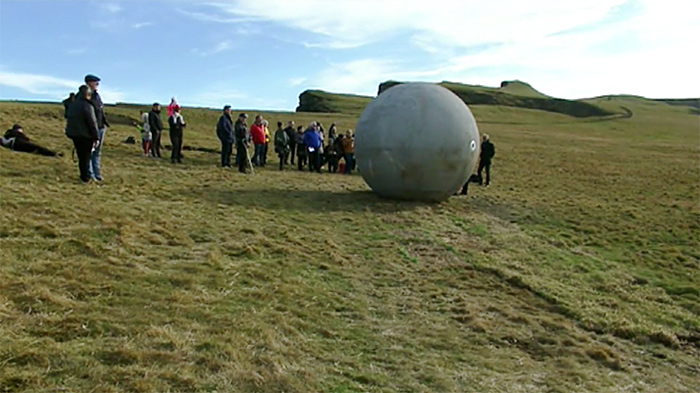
{"points": [[305, 201]]}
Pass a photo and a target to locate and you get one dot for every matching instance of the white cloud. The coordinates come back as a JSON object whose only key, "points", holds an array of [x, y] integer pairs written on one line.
{"points": [[112, 8], [559, 46], [141, 25], [358, 77], [218, 48], [41, 85], [297, 81], [217, 98], [51, 88], [205, 17]]}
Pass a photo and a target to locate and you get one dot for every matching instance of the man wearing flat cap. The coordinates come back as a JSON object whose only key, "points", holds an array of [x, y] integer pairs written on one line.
{"points": [[94, 168]]}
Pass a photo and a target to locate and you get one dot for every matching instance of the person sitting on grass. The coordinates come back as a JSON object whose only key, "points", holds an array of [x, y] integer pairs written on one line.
{"points": [[281, 144], [15, 139]]}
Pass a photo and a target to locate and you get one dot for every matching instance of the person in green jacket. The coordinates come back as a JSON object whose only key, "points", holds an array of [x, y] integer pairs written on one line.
{"points": [[281, 144]]}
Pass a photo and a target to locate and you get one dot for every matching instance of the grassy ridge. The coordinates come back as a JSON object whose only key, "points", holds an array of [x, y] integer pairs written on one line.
{"points": [[321, 101], [575, 271]]}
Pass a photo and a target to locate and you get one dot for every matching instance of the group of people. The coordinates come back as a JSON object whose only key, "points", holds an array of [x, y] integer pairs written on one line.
{"points": [[151, 129], [86, 126], [311, 146]]}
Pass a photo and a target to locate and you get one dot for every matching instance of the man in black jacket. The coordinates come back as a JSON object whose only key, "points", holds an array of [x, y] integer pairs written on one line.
{"points": [[488, 150], [81, 127], [93, 83], [291, 134], [242, 140], [156, 129], [177, 125], [224, 130]]}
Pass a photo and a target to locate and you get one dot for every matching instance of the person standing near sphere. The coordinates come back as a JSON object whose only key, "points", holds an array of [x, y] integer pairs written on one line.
{"points": [[349, 151], [488, 150]]}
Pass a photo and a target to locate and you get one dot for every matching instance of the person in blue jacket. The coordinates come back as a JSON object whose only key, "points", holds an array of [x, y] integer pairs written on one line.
{"points": [[312, 140], [224, 130]]}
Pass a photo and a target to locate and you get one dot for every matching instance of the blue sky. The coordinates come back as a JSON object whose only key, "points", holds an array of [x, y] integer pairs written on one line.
{"points": [[260, 54]]}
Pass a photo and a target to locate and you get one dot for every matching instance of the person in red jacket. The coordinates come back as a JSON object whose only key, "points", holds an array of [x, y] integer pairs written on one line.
{"points": [[257, 133]]}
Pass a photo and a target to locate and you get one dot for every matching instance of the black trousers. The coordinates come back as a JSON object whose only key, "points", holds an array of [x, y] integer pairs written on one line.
{"points": [[226, 151], [333, 164], [29, 147], [283, 158], [83, 149], [241, 157], [302, 156], [264, 153], [314, 161], [485, 164], [293, 148], [155, 147], [176, 141]]}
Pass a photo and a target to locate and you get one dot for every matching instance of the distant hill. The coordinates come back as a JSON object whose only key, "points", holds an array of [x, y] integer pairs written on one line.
{"points": [[518, 94], [510, 93], [321, 101]]}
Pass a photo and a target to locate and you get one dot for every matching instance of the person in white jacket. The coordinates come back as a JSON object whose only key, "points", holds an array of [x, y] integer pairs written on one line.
{"points": [[146, 136]]}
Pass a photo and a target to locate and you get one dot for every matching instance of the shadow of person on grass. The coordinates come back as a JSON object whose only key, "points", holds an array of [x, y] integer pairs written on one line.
{"points": [[304, 201]]}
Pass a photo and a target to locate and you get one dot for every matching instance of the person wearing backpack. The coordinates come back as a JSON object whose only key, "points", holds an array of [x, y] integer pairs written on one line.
{"points": [[281, 144], [177, 125]]}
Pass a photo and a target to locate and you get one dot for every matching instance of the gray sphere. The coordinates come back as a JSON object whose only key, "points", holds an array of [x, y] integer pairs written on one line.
{"points": [[416, 141]]}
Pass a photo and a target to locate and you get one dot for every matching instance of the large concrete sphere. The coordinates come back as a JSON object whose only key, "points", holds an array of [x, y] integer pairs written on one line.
{"points": [[416, 141]]}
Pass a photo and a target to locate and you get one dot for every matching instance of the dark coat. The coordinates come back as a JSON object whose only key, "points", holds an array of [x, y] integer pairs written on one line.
{"points": [[11, 133], [291, 133], [281, 142], [66, 104], [224, 129], [99, 110], [241, 131], [176, 126], [488, 150], [82, 122], [155, 122]]}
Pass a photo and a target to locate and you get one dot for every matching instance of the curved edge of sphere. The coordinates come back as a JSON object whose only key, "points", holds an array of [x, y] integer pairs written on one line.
{"points": [[414, 142]]}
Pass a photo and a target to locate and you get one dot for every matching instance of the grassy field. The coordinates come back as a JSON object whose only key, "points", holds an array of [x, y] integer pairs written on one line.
{"points": [[576, 271]]}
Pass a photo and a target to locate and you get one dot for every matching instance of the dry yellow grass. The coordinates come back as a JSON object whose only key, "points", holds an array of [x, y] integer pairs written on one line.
{"points": [[577, 271]]}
